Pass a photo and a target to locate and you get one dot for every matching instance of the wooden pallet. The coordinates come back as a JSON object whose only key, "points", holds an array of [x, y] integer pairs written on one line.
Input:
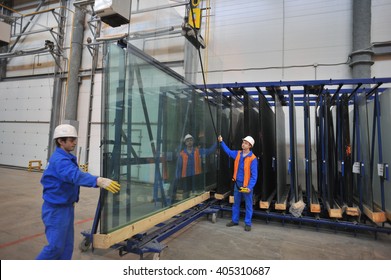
{"points": [[34, 165]]}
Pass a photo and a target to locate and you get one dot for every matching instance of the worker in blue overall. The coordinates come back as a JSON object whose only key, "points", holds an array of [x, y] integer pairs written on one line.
{"points": [[61, 182], [245, 177]]}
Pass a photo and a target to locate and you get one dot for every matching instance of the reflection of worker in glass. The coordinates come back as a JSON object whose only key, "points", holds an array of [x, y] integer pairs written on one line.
{"points": [[190, 163], [245, 177]]}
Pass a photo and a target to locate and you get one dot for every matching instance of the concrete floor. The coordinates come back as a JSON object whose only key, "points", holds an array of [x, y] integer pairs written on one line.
{"points": [[22, 233]]}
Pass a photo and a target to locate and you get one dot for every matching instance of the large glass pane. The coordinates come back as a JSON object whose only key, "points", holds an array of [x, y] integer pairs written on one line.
{"points": [[148, 112], [280, 151], [363, 184], [381, 193]]}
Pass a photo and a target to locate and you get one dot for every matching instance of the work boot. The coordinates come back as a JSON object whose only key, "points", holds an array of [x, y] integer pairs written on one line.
{"points": [[247, 228], [231, 224]]}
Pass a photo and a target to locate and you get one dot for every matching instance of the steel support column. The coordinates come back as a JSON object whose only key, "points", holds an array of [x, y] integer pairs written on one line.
{"points": [[74, 64], [57, 86]]}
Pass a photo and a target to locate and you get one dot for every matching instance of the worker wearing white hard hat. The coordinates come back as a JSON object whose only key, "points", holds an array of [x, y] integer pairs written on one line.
{"points": [[61, 183], [187, 136], [244, 177], [64, 130], [250, 140]]}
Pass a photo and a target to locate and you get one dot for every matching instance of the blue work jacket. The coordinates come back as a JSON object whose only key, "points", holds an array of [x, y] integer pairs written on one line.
{"points": [[62, 179], [240, 174]]}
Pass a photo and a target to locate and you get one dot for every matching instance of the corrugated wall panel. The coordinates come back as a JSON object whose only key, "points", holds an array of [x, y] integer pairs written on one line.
{"points": [[24, 121]]}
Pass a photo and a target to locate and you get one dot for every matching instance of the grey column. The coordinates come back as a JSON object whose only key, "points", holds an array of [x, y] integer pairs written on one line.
{"points": [[58, 82], [74, 64], [362, 53]]}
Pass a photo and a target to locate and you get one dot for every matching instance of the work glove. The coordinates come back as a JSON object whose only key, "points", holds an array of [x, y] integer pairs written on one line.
{"points": [[244, 190], [108, 184]]}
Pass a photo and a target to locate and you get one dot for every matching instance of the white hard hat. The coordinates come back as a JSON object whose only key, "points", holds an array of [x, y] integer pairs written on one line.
{"points": [[187, 136], [250, 140], [64, 130]]}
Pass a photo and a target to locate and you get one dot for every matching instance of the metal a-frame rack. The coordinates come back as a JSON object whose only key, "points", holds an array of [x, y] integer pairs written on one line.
{"points": [[335, 198]]}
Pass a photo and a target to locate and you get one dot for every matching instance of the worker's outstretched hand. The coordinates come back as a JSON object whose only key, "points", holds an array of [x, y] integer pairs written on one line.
{"points": [[108, 184], [219, 138]]}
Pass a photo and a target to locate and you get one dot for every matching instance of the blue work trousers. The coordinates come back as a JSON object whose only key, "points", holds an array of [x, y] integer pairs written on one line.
{"points": [[248, 200], [59, 230]]}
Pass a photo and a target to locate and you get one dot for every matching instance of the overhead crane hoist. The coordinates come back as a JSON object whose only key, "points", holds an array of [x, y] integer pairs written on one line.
{"points": [[191, 27]]}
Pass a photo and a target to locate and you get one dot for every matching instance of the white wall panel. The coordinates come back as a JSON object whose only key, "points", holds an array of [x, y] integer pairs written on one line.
{"points": [[26, 100], [25, 108], [266, 34], [381, 21], [21, 143]]}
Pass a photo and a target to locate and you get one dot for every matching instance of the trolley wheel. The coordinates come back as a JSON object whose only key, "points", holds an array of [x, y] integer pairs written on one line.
{"points": [[214, 218], [85, 244]]}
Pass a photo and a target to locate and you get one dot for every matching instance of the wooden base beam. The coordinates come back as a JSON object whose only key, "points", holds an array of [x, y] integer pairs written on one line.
{"points": [[388, 215], [315, 208], [284, 199], [266, 204], [334, 212], [376, 216], [314, 204], [105, 241], [220, 196], [353, 211], [280, 206]]}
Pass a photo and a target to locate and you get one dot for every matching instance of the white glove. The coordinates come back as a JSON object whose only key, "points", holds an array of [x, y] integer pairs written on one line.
{"points": [[108, 184]]}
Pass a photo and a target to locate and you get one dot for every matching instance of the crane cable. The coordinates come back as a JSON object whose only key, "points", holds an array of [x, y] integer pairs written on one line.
{"points": [[203, 72]]}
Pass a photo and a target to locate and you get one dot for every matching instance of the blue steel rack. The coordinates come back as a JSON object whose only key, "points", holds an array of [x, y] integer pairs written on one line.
{"points": [[307, 93]]}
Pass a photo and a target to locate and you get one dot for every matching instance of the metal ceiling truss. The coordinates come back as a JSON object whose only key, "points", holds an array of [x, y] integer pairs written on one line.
{"points": [[20, 24]]}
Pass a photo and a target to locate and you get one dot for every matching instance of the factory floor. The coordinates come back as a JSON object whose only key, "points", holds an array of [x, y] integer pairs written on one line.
{"points": [[22, 233]]}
